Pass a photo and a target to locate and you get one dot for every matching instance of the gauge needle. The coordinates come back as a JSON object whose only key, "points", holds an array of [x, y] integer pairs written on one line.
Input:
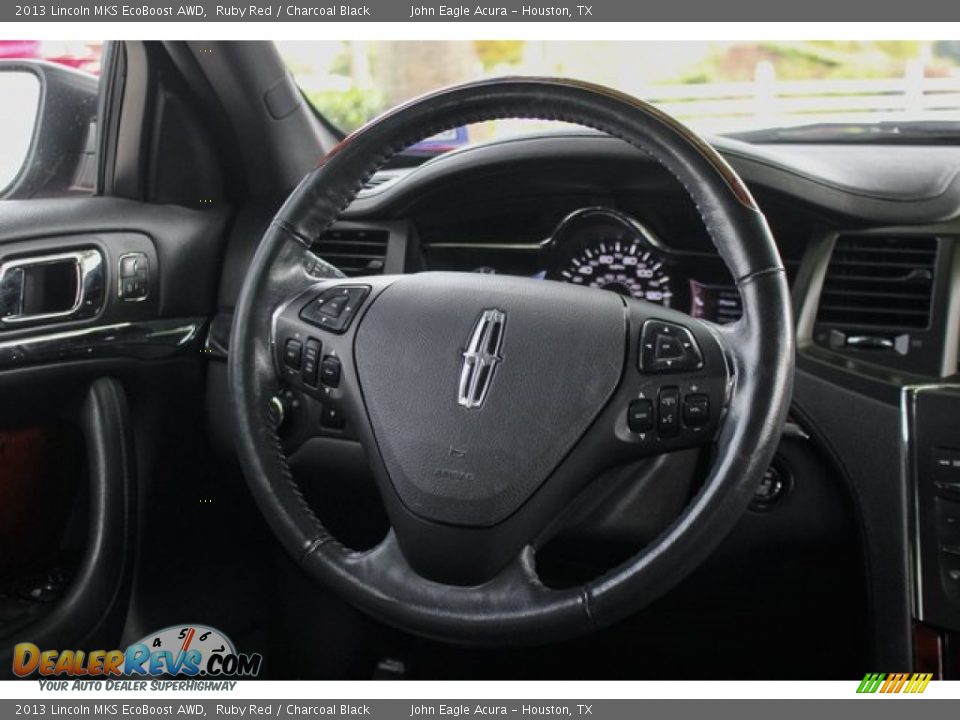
{"points": [[187, 640], [186, 646]]}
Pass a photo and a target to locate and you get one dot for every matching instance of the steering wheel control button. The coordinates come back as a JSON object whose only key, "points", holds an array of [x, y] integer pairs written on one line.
{"points": [[668, 421], [696, 410], [640, 415], [331, 418], [333, 309], [334, 306], [311, 362], [330, 371], [668, 347], [293, 354]]}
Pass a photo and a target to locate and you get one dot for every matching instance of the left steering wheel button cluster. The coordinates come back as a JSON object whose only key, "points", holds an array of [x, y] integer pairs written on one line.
{"points": [[667, 347], [333, 309]]}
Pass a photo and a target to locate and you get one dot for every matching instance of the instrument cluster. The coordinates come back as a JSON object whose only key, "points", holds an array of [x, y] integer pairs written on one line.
{"points": [[604, 248]]}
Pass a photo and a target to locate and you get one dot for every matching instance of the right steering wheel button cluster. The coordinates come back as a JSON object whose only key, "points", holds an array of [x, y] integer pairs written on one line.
{"points": [[678, 401], [675, 411], [666, 347]]}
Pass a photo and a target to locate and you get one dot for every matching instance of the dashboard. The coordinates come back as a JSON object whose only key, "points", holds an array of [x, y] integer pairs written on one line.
{"points": [[870, 244], [587, 209]]}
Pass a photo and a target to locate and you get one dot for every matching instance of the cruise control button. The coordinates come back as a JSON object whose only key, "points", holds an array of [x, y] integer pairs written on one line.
{"points": [[696, 410], [311, 361], [668, 347], [668, 422], [640, 415], [292, 353], [330, 371]]}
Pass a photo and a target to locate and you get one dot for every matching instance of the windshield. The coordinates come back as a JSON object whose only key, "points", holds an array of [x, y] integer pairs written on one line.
{"points": [[715, 87]]}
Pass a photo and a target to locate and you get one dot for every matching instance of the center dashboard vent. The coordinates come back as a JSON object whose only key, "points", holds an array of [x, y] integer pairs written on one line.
{"points": [[354, 251], [882, 282]]}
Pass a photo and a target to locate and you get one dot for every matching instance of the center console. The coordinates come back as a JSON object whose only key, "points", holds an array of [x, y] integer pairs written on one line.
{"points": [[931, 433]]}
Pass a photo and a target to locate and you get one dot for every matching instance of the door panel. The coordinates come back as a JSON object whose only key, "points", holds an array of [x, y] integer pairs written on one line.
{"points": [[85, 408], [187, 243]]}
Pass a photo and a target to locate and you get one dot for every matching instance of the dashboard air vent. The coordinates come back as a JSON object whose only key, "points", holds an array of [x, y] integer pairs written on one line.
{"points": [[728, 307], [382, 178], [879, 282], [354, 251], [717, 303], [376, 181]]}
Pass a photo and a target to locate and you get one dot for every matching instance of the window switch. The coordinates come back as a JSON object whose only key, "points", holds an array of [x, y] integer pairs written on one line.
{"points": [[134, 281]]}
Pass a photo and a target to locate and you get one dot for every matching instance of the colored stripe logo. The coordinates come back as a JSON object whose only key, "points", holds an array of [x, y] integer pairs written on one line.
{"points": [[894, 683]]}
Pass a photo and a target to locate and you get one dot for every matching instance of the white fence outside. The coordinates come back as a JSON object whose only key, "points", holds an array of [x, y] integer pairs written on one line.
{"points": [[769, 102]]}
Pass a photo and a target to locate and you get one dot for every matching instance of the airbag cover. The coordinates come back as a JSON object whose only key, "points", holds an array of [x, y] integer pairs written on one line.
{"points": [[562, 356]]}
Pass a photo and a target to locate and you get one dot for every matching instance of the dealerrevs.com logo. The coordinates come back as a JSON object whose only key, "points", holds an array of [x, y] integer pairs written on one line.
{"points": [[180, 650]]}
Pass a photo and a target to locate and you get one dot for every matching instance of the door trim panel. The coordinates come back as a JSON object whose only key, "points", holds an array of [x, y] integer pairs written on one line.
{"points": [[93, 611]]}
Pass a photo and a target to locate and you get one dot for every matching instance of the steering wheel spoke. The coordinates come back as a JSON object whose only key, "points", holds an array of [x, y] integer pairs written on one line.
{"points": [[495, 610]]}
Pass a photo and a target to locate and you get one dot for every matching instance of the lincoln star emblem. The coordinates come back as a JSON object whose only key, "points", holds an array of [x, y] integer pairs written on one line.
{"points": [[480, 359]]}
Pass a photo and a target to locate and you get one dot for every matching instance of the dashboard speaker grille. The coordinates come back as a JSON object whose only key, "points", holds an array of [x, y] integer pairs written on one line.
{"points": [[354, 251], [879, 282]]}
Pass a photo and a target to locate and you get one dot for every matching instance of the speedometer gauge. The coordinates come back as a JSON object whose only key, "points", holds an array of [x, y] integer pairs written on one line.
{"points": [[604, 249], [623, 267]]}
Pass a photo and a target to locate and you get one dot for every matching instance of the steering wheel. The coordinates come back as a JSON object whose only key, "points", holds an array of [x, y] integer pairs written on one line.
{"points": [[487, 405]]}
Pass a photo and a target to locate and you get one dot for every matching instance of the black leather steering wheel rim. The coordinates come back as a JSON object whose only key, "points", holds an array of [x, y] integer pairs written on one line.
{"points": [[513, 606]]}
